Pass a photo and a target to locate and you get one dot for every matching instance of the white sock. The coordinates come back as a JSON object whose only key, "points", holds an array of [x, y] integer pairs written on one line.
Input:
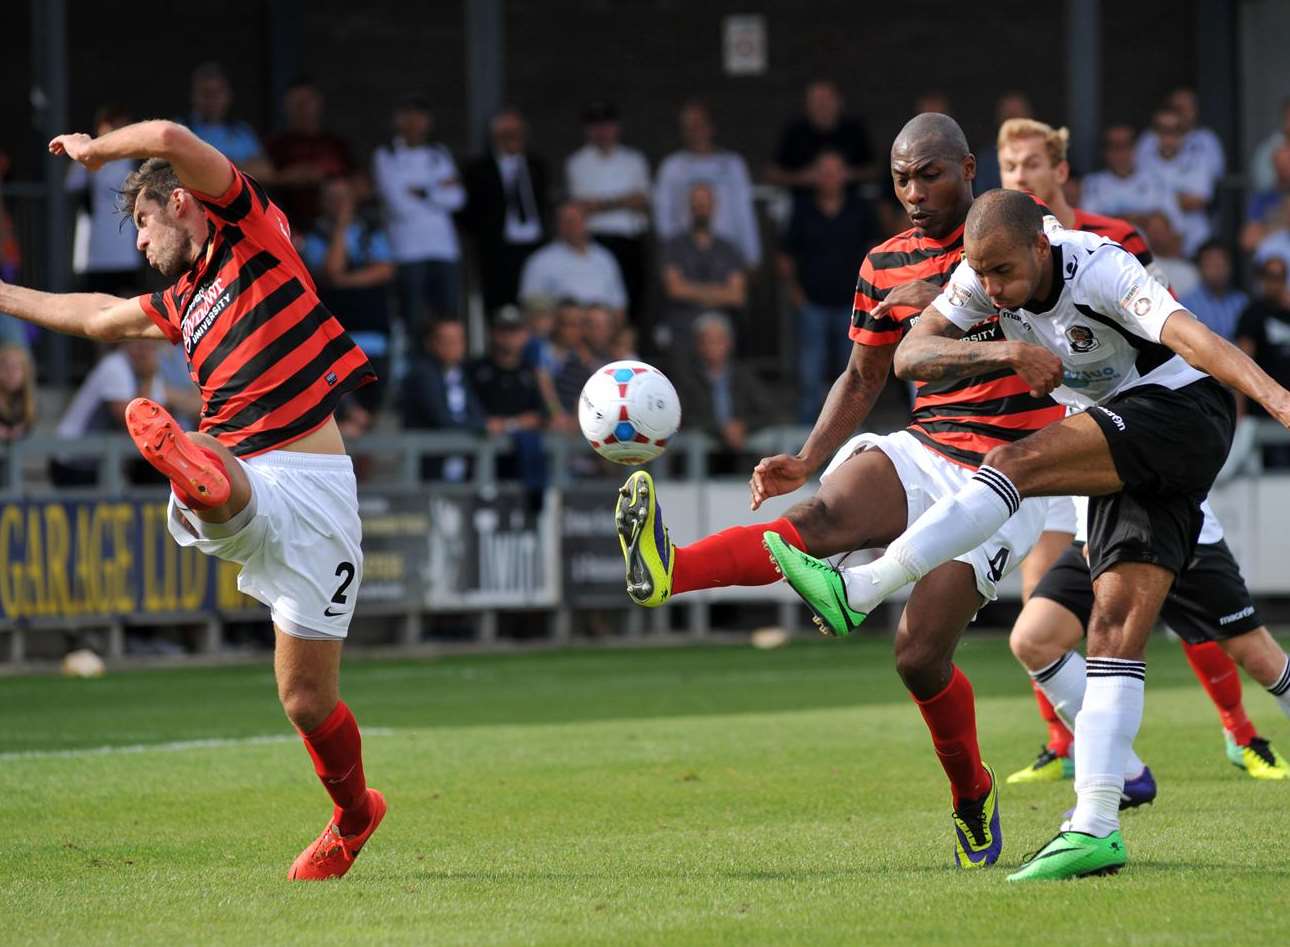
{"points": [[1104, 733], [1281, 689], [1063, 684], [954, 525]]}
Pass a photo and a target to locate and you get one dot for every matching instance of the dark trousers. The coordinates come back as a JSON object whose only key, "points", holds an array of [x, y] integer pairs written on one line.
{"points": [[428, 290], [500, 266], [630, 254]]}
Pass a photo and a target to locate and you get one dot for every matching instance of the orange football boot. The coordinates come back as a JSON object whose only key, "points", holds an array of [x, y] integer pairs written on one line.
{"points": [[163, 444], [333, 854]]}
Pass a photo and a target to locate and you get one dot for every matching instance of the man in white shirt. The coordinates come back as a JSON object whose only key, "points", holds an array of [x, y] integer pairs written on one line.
{"points": [[1200, 145], [700, 162], [1263, 174], [420, 190], [105, 256], [1125, 190], [611, 182], [1189, 174], [574, 267], [1085, 322]]}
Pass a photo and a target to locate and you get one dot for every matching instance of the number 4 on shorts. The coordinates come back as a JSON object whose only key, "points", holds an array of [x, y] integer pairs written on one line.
{"points": [[999, 563]]}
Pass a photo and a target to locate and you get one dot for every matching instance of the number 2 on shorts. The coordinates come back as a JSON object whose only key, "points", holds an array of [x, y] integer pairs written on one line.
{"points": [[347, 570]]}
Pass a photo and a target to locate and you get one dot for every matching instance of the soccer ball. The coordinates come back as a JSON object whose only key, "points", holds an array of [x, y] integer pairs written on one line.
{"points": [[628, 411]]}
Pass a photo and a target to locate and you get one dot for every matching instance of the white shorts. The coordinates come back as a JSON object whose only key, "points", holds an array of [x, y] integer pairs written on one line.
{"points": [[298, 540], [927, 476], [1061, 516]]}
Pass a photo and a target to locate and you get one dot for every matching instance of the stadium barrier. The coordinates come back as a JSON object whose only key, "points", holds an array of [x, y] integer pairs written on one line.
{"points": [[103, 557]]}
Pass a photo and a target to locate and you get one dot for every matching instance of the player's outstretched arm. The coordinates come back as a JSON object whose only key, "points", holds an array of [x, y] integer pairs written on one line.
{"points": [[935, 350], [89, 315], [199, 166], [849, 402], [1211, 353]]}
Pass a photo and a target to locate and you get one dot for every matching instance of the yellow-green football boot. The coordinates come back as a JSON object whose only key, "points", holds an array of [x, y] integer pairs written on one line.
{"points": [[647, 549]]}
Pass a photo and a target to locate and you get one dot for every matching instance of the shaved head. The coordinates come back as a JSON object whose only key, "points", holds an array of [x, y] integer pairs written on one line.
{"points": [[934, 135], [1010, 214]]}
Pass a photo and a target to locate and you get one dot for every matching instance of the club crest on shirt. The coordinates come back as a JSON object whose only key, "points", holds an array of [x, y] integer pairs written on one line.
{"points": [[958, 295], [1082, 339], [1141, 306]]}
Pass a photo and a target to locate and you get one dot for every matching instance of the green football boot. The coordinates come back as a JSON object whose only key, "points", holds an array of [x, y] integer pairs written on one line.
{"points": [[818, 583], [647, 549], [1073, 855], [1235, 752]]}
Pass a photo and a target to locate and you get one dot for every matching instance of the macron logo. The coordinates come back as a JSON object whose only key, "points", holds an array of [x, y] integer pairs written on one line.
{"points": [[1246, 612], [1115, 418]]}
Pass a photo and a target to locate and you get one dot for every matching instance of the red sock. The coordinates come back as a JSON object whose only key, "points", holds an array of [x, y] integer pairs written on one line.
{"points": [[337, 751], [1218, 675], [1059, 736], [734, 556], [951, 718], [187, 499]]}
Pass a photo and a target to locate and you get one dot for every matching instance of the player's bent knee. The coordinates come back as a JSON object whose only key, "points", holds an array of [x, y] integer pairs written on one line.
{"points": [[306, 704], [922, 665]]}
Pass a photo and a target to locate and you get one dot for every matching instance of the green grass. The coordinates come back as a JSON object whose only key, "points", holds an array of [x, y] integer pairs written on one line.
{"points": [[690, 796]]}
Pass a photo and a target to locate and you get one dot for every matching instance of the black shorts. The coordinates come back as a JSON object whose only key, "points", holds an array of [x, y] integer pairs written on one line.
{"points": [[1167, 446], [1209, 601]]}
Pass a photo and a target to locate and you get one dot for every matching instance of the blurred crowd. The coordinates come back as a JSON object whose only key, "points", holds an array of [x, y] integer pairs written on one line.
{"points": [[601, 257]]}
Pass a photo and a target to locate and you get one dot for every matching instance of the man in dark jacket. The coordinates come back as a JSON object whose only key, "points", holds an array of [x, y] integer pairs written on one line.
{"points": [[722, 398], [506, 206], [439, 395]]}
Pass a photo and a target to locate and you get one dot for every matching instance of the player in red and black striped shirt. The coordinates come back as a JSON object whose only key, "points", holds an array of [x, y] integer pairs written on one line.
{"points": [[864, 502], [267, 483], [1032, 158]]}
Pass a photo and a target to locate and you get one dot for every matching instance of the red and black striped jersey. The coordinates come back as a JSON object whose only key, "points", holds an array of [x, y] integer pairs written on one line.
{"points": [[1113, 228], [270, 360], [960, 419]]}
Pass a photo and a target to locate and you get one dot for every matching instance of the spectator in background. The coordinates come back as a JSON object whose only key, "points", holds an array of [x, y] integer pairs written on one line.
{"points": [[574, 267], [1189, 176], [933, 100], [12, 331], [506, 208], [624, 344], [303, 155], [98, 407], [594, 338], [701, 271], [1215, 301], [827, 237], [1263, 333], [1198, 148], [350, 259], [1125, 190], [611, 184], [1166, 247], [1266, 210], [722, 398], [1273, 238], [438, 395], [417, 182], [1263, 173], [512, 401], [212, 97], [1010, 105], [823, 127], [111, 261], [17, 392], [725, 173]]}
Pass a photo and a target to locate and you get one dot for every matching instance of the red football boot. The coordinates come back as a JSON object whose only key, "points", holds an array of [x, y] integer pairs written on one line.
{"points": [[332, 854], [196, 473]]}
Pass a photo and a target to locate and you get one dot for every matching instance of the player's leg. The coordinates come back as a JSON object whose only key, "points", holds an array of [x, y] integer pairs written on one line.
{"points": [[308, 676], [202, 472], [860, 503], [1127, 600], [1265, 661], [1043, 640], [1054, 759], [1220, 679], [1071, 456], [939, 608]]}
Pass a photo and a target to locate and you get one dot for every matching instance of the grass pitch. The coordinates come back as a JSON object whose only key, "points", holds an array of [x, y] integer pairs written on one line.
{"points": [[688, 796]]}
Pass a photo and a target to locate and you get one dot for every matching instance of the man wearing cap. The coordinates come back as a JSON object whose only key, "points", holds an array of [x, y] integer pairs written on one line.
{"points": [[611, 182], [420, 189]]}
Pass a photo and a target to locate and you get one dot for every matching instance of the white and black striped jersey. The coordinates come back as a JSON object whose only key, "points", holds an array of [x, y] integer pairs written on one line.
{"points": [[1103, 318]]}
